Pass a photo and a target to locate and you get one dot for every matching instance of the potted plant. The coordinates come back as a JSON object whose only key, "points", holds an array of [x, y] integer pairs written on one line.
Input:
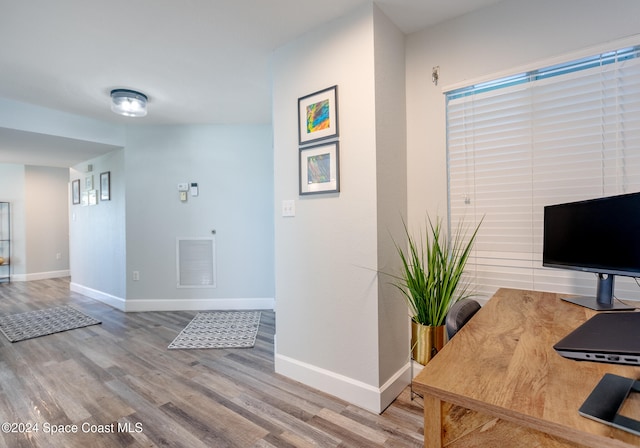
{"points": [[430, 282]]}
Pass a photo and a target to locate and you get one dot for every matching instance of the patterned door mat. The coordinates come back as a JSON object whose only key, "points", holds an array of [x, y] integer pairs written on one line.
{"points": [[219, 329], [33, 324]]}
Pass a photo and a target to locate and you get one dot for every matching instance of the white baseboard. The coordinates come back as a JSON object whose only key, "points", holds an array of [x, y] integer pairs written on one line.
{"points": [[39, 275], [417, 368], [111, 300], [366, 396], [200, 304], [137, 305], [394, 386]]}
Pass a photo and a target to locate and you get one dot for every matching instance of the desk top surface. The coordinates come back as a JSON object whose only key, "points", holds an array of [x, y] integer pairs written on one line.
{"points": [[502, 363]]}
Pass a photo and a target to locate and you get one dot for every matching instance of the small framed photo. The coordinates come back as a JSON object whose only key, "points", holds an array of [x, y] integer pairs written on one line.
{"points": [[75, 191], [88, 182], [318, 116], [319, 169], [105, 186], [93, 197]]}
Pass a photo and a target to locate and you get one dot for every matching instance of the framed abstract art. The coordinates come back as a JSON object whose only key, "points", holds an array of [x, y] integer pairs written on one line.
{"points": [[319, 169], [318, 116]]}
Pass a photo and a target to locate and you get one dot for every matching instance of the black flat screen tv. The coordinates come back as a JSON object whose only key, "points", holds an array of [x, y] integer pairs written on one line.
{"points": [[598, 235]]}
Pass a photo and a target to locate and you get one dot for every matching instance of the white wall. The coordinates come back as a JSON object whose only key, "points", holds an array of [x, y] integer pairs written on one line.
{"points": [[137, 229], [46, 221], [391, 191], [41, 120], [495, 40], [327, 289], [39, 223], [233, 166], [97, 233]]}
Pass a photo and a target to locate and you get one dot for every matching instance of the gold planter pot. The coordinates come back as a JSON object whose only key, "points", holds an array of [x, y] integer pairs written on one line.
{"points": [[426, 341]]}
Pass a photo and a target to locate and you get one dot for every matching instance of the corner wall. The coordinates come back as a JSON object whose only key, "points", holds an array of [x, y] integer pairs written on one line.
{"points": [[331, 323], [391, 170], [136, 230]]}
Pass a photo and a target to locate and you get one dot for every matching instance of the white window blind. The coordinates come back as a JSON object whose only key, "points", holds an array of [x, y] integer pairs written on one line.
{"points": [[564, 133]]}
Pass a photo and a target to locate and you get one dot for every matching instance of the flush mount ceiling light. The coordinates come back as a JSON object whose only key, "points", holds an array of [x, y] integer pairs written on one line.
{"points": [[128, 103]]}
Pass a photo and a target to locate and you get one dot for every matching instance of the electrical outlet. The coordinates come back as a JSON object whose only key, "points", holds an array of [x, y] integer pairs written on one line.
{"points": [[136, 276]]}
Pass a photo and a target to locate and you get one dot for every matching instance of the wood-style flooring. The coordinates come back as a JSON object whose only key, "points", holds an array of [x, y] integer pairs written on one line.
{"points": [[121, 387]]}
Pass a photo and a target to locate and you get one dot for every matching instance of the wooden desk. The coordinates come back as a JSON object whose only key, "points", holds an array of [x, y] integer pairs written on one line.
{"points": [[502, 365]]}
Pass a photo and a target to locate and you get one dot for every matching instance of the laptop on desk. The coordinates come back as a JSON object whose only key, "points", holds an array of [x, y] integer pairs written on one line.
{"points": [[606, 337]]}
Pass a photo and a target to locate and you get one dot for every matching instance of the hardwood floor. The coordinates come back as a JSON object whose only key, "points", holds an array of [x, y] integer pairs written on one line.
{"points": [[121, 387]]}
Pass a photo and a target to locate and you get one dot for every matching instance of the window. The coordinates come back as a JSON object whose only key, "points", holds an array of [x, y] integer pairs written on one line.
{"points": [[562, 133]]}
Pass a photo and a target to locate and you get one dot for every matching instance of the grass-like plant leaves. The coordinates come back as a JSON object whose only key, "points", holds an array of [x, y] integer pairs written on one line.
{"points": [[432, 269]]}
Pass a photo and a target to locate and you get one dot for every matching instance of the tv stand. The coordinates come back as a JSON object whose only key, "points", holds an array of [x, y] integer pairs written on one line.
{"points": [[604, 300]]}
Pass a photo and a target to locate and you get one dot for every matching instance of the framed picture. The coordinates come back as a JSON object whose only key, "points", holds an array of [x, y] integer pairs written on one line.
{"points": [[319, 169], [105, 186], [88, 182], [93, 197], [75, 191], [318, 116]]}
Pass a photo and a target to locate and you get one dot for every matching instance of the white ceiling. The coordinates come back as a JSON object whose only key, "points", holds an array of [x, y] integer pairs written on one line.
{"points": [[199, 61]]}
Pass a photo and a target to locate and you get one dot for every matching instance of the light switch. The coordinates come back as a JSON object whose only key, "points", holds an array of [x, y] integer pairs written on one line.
{"points": [[288, 208]]}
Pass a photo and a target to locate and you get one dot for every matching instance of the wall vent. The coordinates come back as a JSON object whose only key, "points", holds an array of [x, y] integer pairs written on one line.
{"points": [[196, 262]]}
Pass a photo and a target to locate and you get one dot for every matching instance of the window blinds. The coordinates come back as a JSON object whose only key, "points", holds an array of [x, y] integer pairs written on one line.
{"points": [[564, 133]]}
